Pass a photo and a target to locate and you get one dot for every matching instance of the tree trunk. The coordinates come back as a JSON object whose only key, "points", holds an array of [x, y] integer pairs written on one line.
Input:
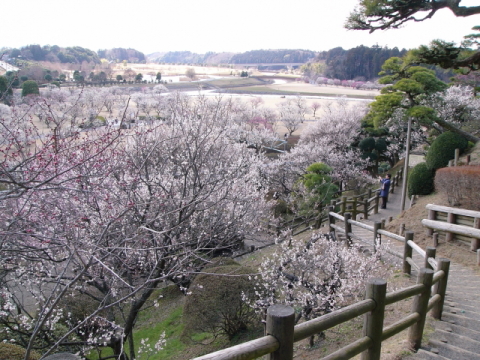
{"points": [[454, 129]]}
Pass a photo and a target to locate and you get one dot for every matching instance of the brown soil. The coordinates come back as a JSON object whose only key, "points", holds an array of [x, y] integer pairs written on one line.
{"points": [[457, 251]]}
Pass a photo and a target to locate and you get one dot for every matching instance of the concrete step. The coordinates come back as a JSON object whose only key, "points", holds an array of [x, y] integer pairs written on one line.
{"points": [[460, 320], [453, 352], [464, 299], [470, 306], [426, 355], [466, 286], [457, 329], [463, 342], [462, 311]]}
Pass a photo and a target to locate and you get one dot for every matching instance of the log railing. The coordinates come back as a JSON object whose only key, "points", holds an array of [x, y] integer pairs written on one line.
{"points": [[366, 202], [282, 334], [377, 230], [454, 223], [361, 204]]}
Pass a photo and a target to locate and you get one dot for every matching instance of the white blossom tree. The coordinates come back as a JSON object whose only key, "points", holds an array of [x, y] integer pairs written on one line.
{"points": [[315, 277], [108, 215]]}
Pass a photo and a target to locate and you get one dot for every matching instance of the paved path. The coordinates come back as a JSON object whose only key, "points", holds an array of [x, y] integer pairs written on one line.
{"points": [[457, 335]]}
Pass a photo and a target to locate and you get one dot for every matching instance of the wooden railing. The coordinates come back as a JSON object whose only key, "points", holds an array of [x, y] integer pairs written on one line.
{"points": [[282, 334], [454, 223], [357, 205], [364, 203], [346, 229]]}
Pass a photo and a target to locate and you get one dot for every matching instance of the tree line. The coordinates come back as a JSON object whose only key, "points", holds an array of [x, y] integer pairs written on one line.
{"points": [[72, 55]]}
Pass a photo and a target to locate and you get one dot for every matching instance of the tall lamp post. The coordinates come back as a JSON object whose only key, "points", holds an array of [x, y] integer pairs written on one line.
{"points": [[405, 170]]}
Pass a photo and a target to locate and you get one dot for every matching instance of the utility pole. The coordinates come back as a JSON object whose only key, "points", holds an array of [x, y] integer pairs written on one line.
{"points": [[405, 170]]}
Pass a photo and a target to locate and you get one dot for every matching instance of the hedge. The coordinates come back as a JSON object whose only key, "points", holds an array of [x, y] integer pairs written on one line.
{"points": [[420, 180], [461, 185], [443, 149]]}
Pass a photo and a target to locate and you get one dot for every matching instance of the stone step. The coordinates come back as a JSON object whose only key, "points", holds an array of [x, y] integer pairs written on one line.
{"points": [[467, 286], [463, 311], [467, 291], [456, 329], [426, 355], [453, 352], [467, 299], [460, 320], [463, 342], [463, 308]]}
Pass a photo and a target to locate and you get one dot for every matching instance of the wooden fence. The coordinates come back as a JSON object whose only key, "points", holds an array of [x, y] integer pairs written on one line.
{"points": [[357, 205], [454, 223], [282, 333]]}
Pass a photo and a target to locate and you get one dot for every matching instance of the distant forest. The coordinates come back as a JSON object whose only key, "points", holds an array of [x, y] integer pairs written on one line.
{"points": [[55, 54], [73, 55], [249, 57], [362, 62], [273, 56]]}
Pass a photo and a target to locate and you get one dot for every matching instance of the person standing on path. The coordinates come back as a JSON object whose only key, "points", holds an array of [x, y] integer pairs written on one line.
{"points": [[384, 190]]}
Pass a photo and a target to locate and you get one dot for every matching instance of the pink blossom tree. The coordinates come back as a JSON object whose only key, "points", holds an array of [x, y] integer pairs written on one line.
{"points": [[109, 215]]}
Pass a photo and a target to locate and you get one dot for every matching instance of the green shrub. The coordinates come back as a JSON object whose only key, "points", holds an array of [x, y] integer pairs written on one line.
{"points": [[215, 304], [443, 149], [420, 180], [15, 352], [30, 87]]}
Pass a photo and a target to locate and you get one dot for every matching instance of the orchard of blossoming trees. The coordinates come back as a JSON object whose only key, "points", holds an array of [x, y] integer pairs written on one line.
{"points": [[106, 195]]}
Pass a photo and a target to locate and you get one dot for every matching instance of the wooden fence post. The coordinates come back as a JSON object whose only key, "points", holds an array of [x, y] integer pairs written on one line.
{"points": [[475, 243], [407, 253], [429, 253], [392, 185], [373, 320], [431, 216], [331, 219], [383, 223], [468, 159], [365, 209], [344, 204], [377, 201], [333, 203], [420, 306], [440, 288], [402, 229], [354, 208], [348, 228], [280, 324], [457, 156], [376, 237], [449, 236], [435, 239]]}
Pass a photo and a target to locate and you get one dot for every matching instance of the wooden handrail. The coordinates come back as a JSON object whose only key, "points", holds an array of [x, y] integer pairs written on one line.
{"points": [[457, 229], [269, 344], [456, 211]]}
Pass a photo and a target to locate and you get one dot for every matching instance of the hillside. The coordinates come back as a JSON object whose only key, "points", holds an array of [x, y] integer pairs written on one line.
{"points": [[54, 54], [248, 57], [120, 54]]}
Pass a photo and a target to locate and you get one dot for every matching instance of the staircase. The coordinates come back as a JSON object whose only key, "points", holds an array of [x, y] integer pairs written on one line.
{"points": [[457, 335]]}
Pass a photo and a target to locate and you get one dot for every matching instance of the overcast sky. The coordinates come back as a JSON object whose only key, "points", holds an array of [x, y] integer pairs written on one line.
{"points": [[209, 25]]}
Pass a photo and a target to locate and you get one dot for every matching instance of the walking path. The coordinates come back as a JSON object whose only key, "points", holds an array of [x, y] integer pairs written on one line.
{"points": [[457, 335]]}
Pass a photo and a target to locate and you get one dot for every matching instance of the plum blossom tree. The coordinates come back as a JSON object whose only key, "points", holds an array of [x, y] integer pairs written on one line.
{"points": [[108, 215], [315, 277], [328, 140], [292, 113]]}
